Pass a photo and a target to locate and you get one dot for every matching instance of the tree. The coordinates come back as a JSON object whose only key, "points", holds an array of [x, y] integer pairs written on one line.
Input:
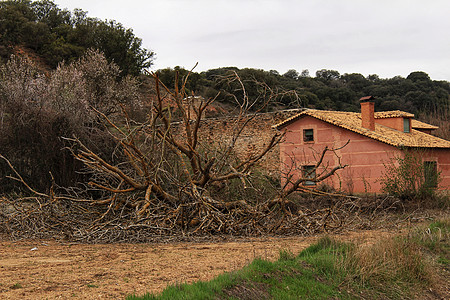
{"points": [[274, 72], [57, 35], [180, 167], [167, 77], [355, 81], [373, 78], [38, 111], [121, 46], [305, 73], [418, 76], [292, 74], [327, 75]]}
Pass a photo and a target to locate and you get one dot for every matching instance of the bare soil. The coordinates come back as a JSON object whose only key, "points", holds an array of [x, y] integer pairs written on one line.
{"points": [[38, 269]]}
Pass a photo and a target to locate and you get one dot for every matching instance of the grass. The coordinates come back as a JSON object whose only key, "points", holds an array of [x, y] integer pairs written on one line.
{"points": [[285, 278], [435, 238], [16, 286], [393, 268]]}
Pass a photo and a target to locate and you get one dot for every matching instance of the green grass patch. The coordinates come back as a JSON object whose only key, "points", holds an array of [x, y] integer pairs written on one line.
{"points": [[16, 286], [287, 278], [393, 268], [436, 239]]}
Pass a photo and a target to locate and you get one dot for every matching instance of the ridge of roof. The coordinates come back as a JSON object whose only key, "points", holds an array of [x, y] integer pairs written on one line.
{"points": [[352, 121]]}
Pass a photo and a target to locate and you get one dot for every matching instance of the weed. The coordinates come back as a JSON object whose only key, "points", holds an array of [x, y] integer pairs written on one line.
{"points": [[436, 239], [286, 254], [16, 286]]}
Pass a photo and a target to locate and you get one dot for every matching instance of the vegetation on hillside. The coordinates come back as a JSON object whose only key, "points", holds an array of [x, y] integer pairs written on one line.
{"points": [[416, 93], [57, 35]]}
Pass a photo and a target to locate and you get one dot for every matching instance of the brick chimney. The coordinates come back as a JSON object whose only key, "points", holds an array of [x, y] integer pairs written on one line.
{"points": [[367, 112]]}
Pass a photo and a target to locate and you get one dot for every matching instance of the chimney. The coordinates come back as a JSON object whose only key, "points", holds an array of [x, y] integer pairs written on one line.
{"points": [[367, 112]]}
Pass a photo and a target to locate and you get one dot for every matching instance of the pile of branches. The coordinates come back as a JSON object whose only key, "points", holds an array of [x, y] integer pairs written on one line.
{"points": [[84, 221], [169, 181], [60, 218]]}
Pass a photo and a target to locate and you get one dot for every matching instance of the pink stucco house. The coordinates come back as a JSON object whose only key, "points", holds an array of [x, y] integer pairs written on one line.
{"points": [[374, 140]]}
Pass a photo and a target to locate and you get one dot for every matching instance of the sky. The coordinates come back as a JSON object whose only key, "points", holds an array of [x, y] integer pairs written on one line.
{"points": [[385, 37]]}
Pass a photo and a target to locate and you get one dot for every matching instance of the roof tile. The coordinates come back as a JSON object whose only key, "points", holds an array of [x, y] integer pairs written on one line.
{"points": [[393, 114], [421, 125]]}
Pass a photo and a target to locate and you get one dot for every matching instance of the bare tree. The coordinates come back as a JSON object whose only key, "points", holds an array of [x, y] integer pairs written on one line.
{"points": [[168, 176], [166, 159], [319, 172]]}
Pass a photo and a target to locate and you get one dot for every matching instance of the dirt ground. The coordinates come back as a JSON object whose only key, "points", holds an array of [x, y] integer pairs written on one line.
{"points": [[51, 270]]}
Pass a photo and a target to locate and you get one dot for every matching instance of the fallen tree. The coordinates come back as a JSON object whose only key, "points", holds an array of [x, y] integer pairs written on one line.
{"points": [[169, 180]]}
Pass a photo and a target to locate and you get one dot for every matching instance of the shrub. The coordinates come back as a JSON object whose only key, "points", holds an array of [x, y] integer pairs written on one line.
{"points": [[409, 177], [38, 111]]}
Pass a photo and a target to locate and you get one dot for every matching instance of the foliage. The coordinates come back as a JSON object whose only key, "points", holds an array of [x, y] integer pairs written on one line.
{"points": [[38, 111], [439, 119], [58, 35], [417, 93], [292, 74], [408, 177]]}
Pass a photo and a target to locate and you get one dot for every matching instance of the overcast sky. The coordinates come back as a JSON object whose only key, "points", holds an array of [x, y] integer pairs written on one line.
{"points": [[384, 37]]}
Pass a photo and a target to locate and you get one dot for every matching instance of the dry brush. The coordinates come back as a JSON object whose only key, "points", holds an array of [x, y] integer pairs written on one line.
{"points": [[170, 181]]}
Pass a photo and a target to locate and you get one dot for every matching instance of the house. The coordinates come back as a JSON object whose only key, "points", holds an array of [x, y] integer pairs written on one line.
{"points": [[374, 140]]}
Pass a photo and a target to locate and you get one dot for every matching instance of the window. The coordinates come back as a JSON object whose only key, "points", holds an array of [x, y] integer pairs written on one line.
{"points": [[308, 135], [406, 122], [430, 174], [309, 172]]}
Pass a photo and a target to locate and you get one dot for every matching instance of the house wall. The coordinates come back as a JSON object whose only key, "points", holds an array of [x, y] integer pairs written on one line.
{"points": [[365, 157], [442, 157], [395, 123]]}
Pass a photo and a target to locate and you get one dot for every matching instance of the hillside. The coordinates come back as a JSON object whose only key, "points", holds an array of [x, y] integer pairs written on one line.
{"points": [[327, 90], [428, 99], [58, 35]]}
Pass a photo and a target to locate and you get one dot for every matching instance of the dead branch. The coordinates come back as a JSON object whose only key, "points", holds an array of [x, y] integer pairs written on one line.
{"points": [[165, 179], [292, 185]]}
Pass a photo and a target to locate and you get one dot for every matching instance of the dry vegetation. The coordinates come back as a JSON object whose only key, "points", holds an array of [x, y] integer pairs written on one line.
{"points": [[166, 183]]}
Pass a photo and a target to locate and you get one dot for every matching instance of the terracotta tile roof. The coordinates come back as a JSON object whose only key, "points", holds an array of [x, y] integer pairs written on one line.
{"points": [[352, 121], [421, 125], [393, 114]]}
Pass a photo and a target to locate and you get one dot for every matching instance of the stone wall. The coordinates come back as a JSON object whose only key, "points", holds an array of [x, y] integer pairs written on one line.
{"points": [[256, 135]]}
